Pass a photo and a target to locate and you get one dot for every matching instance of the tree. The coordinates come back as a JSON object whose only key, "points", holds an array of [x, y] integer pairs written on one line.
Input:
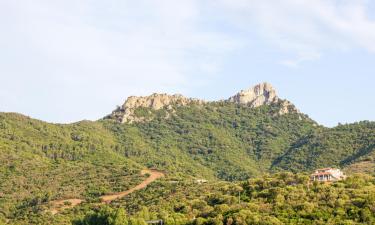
{"points": [[119, 218], [137, 221]]}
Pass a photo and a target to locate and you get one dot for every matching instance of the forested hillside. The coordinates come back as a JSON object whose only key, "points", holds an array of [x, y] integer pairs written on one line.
{"points": [[41, 162], [222, 140], [340, 146], [282, 198]]}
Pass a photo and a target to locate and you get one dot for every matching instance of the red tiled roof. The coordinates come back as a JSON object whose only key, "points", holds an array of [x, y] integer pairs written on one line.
{"points": [[328, 168], [321, 173]]}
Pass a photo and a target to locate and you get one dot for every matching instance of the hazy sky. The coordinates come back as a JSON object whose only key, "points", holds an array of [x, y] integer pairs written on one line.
{"points": [[64, 61]]}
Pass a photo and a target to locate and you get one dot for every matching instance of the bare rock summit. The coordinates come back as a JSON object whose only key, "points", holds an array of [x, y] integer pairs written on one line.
{"points": [[126, 113], [259, 95], [263, 94]]}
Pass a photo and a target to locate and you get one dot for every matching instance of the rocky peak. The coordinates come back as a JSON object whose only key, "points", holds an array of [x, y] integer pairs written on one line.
{"points": [[126, 112], [261, 94]]}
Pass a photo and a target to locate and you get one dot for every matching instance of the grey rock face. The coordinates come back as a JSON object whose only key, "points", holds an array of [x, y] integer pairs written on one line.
{"points": [[259, 95], [126, 113]]}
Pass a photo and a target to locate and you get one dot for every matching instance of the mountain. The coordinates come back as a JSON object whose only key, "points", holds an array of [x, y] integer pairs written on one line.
{"points": [[128, 111], [259, 95], [227, 139], [249, 134]]}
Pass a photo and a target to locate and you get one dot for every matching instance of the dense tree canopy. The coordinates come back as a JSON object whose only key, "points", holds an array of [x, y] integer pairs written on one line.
{"points": [[41, 162], [283, 198]]}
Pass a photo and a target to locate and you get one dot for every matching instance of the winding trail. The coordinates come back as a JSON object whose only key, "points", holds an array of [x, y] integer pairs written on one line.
{"points": [[60, 205], [154, 174]]}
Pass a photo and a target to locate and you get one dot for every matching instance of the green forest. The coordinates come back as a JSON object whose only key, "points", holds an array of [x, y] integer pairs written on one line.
{"points": [[282, 198], [256, 162]]}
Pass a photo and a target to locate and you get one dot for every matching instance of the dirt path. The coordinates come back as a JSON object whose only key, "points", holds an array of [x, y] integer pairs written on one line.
{"points": [[153, 176], [60, 205]]}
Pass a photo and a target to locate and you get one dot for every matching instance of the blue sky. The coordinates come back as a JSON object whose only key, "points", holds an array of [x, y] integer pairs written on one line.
{"points": [[64, 61]]}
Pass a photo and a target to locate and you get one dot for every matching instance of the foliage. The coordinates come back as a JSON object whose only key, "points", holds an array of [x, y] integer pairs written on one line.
{"points": [[282, 198], [41, 162], [340, 146]]}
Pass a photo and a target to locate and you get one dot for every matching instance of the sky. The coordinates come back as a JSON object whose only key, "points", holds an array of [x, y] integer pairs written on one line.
{"points": [[65, 61]]}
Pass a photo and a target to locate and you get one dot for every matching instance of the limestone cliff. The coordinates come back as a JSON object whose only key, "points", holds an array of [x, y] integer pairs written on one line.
{"points": [[261, 94], [126, 113]]}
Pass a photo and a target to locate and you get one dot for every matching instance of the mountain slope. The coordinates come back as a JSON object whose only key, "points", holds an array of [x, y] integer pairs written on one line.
{"points": [[252, 133], [341, 146], [40, 162], [222, 139]]}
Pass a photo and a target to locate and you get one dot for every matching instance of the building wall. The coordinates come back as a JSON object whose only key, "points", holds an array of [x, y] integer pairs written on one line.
{"points": [[327, 175]]}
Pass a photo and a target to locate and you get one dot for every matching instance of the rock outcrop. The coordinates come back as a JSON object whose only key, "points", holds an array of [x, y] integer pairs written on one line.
{"points": [[287, 107], [126, 113], [263, 94], [259, 95]]}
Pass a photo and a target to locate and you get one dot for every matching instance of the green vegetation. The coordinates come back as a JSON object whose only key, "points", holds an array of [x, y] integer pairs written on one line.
{"points": [[340, 146], [283, 198], [216, 140], [41, 162]]}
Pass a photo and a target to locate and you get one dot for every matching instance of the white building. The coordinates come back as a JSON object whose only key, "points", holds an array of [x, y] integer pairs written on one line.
{"points": [[201, 181], [327, 175]]}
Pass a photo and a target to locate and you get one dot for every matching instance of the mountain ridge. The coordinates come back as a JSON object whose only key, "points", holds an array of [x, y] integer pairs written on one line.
{"points": [[253, 97], [217, 141]]}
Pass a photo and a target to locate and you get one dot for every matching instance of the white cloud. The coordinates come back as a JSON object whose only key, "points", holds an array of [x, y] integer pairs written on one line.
{"points": [[295, 63], [95, 52], [71, 56], [306, 28]]}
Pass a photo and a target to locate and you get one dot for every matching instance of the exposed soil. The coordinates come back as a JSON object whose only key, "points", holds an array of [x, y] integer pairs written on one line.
{"points": [[154, 174], [60, 205]]}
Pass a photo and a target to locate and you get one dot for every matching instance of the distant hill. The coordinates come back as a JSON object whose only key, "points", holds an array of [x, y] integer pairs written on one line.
{"points": [[252, 133]]}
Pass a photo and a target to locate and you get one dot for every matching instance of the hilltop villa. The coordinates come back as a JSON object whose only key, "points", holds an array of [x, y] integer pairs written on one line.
{"points": [[327, 175]]}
